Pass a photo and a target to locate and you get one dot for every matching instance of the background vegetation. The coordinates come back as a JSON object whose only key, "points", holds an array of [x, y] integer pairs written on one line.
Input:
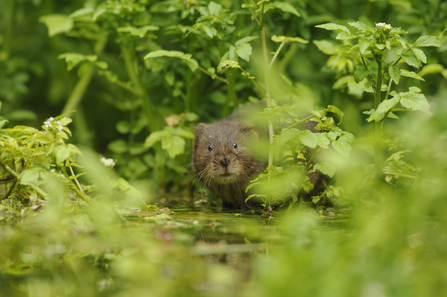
{"points": [[141, 74]]}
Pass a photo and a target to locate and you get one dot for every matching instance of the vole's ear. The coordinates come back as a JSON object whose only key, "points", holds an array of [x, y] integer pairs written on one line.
{"points": [[198, 133], [200, 128]]}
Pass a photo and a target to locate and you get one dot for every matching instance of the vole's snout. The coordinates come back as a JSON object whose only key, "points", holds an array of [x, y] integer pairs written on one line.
{"points": [[225, 162]]}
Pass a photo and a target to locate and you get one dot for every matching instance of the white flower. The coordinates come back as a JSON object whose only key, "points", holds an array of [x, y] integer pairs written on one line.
{"points": [[383, 26], [108, 162]]}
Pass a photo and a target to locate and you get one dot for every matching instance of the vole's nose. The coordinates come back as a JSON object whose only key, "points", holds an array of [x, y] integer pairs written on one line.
{"points": [[225, 162]]}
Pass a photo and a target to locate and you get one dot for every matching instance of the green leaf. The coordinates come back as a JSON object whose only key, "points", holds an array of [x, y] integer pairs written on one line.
{"points": [[343, 36], [73, 59], [214, 8], [245, 40], [359, 25], [284, 6], [394, 72], [326, 47], [3, 122], [62, 153], [325, 168], [360, 74], [322, 140], [432, 68], [384, 107], [410, 74], [29, 176], [81, 12], [57, 23], [411, 59], [415, 101], [342, 147], [308, 139], [140, 32], [420, 55], [427, 40], [192, 63], [287, 39], [332, 26], [244, 51], [175, 145], [364, 44]]}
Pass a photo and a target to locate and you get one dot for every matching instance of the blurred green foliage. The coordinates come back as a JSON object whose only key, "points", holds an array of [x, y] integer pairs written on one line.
{"points": [[141, 74]]}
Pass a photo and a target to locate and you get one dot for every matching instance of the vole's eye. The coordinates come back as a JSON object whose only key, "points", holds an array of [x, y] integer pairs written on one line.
{"points": [[210, 148], [234, 145]]}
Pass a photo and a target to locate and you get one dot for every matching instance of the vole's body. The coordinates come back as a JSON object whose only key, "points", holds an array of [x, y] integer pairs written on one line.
{"points": [[223, 161]]}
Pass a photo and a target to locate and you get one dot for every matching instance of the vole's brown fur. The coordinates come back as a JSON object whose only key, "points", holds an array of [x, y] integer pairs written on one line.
{"points": [[227, 170], [223, 162]]}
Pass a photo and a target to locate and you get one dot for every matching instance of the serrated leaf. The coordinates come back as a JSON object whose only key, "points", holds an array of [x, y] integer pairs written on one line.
{"points": [[332, 26], [325, 168], [427, 40], [192, 63], [410, 74], [244, 51], [342, 147], [394, 72], [57, 23]]}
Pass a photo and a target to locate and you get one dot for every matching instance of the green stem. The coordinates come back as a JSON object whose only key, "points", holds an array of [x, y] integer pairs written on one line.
{"points": [[378, 126], [81, 86], [267, 89], [135, 78], [38, 190], [213, 76], [74, 188], [276, 53], [14, 185], [8, 36]]}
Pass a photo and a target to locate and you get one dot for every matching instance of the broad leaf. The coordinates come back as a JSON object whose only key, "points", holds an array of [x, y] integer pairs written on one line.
{"points": [[427, 40], [342, 147], [325, 168], [57, 23]]}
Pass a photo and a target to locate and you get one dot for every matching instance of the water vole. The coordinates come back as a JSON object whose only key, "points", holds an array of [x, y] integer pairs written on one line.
{"points": [[223, 160]]}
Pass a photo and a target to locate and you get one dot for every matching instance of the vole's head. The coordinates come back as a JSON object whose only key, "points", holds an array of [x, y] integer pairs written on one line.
{"points": [[222, 153]]}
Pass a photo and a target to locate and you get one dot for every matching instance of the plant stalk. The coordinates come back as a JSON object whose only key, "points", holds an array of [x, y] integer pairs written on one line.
{"points": [[378, 157], [135, 78], [81, 86]]}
